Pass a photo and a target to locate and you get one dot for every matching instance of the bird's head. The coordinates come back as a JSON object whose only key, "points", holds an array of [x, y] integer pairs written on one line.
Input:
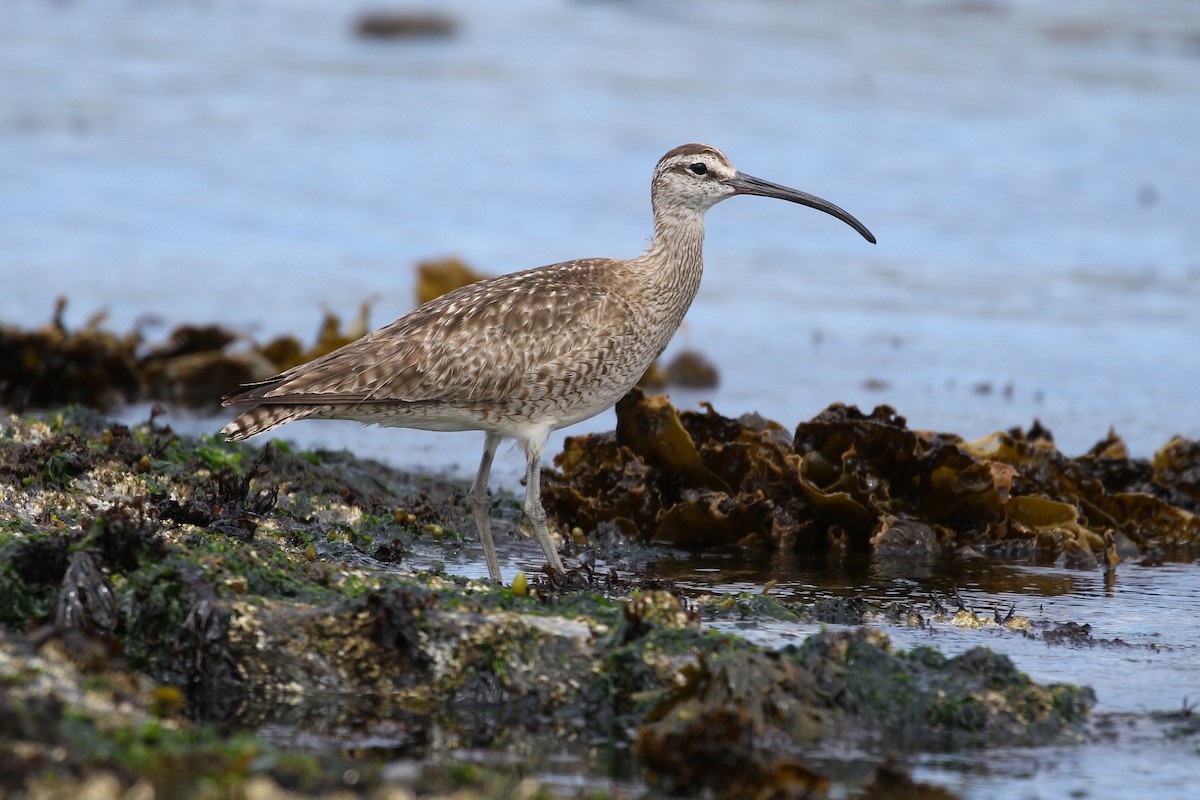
{"points": [[695, 177]]}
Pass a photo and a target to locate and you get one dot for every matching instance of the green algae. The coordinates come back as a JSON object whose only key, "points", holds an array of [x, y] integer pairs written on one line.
{"points": [[977, 698], [31, 566], [758, 605]]}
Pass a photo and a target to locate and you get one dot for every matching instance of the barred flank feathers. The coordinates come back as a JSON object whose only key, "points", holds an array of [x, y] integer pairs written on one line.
{"points": [[261, 419]]}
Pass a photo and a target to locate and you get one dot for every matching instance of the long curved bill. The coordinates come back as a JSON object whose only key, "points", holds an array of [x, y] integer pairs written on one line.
{"points": [[748, 184]]}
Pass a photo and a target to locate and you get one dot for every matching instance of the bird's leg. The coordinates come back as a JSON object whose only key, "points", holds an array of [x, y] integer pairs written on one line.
{"points": [[480, 506], [534, 510]]}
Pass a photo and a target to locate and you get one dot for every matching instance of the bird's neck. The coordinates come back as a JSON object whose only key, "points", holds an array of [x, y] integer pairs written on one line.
{"points": [[674, 261]]}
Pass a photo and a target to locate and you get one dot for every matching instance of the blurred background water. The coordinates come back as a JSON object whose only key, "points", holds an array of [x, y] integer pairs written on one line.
{"points": [[1030, 170]]}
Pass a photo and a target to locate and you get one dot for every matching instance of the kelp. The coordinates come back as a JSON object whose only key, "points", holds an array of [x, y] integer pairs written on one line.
{"points": [[53, 365], [847, 478], [437, 276]]}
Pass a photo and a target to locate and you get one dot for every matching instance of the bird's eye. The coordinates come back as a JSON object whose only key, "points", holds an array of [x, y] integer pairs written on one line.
{"points": [[699, 169]]}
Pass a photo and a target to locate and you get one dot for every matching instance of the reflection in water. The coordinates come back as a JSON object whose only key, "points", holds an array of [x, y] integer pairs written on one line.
{"points": [[1134, 612], [804, 578]]}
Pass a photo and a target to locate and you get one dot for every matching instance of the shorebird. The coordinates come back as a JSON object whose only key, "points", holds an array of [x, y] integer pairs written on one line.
{"points": [[520, 355]]}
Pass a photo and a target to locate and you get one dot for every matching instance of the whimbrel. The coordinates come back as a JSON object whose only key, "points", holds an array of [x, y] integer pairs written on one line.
{"points": [[518, 356]]}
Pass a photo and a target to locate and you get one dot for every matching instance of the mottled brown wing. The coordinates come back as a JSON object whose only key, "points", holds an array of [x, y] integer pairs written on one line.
{"points": [[482, 343]]}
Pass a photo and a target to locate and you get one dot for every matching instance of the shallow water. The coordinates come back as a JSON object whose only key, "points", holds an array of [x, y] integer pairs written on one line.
{"points": [[1154, 668], [1029, 169], [1149, 608]]}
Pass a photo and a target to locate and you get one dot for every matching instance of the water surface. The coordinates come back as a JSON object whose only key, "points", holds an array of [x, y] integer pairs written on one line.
{"points": [[1029, 171]]}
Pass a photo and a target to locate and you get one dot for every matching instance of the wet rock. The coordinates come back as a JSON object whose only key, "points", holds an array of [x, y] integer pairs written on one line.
{"points": [[86, 600], [243, 577], [707, 734], [1070, 632], [390, 552], [655, 609], [405, 25], [738, 719], [689, 369], [397, 617], [65, 734], [840, 611], [224, 501], [905, 538], [200, 654]]}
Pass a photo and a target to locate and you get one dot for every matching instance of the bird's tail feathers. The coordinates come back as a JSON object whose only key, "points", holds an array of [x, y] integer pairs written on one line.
{"points": [[261, 419]]}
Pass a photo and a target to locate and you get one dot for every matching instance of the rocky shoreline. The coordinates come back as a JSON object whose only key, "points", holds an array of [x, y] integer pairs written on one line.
{"points": [[185, 613]]}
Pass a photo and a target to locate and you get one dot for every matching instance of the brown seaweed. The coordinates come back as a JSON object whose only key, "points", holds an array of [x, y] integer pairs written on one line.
{"points": [[52, 365], [847, 478]]}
